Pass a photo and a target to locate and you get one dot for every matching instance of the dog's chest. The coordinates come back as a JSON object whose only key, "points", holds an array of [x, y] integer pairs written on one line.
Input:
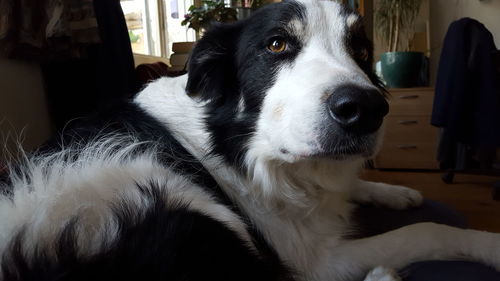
{"points": [[305, 240]]}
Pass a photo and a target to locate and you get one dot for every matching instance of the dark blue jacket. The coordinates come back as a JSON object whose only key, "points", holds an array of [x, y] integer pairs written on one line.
{"points": [[467, 100]]}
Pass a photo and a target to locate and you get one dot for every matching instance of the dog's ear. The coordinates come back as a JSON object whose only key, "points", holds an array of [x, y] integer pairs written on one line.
{"points": [[212, 65]]}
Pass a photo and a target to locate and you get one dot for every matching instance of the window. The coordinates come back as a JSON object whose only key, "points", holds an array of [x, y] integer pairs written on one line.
{"points": [[153, 25]]}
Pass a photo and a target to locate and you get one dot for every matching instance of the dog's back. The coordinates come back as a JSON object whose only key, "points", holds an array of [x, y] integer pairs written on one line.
{"points": [[120, 199]]}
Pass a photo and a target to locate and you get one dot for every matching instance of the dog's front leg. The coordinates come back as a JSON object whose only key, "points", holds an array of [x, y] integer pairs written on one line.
{"points": [[418, 242], [382, 194]]}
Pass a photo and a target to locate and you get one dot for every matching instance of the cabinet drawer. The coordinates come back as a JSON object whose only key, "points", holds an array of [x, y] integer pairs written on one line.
{"points": [[411, 102], [407, 155], [410, 129]]}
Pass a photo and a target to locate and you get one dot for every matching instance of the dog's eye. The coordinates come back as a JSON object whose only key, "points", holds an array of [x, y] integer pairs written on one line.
{"points": [[363, 54], [277, 45]]}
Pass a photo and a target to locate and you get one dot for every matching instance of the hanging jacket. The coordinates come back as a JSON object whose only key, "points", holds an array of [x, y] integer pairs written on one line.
{"points": [[467, 100]]}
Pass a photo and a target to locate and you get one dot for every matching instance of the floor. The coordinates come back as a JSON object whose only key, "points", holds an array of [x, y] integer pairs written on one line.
{"points": [[469, 194]]}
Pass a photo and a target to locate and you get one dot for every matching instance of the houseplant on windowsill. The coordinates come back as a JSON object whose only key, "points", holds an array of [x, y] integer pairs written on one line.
{"points": [[246, 7], [199, 18], [395, 25]]}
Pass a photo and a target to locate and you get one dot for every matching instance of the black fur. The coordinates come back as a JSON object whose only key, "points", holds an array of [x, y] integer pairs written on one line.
{"points": [[159, 243], [360, 47], [232, 62], [126, 118], [169, 242]]}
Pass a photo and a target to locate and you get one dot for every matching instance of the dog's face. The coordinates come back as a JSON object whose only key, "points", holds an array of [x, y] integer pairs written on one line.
{"points": [[291, 83]]}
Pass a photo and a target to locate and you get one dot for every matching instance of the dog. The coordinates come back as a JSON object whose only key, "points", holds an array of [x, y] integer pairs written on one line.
{"points": [[243, 169]]}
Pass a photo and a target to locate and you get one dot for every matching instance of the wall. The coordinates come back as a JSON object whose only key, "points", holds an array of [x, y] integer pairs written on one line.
{"points": [[23, 109], [444, 12]]}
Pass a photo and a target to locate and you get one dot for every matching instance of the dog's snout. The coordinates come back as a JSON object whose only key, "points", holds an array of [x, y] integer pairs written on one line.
{"points": [[346, 112], [357, 110]]}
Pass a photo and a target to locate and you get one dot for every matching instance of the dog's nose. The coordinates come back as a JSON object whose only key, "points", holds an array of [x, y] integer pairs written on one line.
{"points": [[357, 110]]}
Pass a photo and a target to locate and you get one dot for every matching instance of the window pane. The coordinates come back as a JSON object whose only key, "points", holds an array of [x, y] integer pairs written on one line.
{"points": [[143, 26], [174, 13]]}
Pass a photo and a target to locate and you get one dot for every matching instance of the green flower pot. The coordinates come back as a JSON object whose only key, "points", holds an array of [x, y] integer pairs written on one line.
{"points": [[403, 69]]}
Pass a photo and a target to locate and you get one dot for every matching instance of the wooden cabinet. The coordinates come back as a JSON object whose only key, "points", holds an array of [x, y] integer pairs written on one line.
{"points": [[410, 140]]}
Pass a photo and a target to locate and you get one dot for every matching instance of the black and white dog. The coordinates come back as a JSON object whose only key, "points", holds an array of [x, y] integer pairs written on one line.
{"points": [[245, 169]]}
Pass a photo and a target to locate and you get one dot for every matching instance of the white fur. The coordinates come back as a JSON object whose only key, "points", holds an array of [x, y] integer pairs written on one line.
{"points": [[382, 274], [352, 19], [301, 205], [84, 184], [294, 106], [394, 196], [308, 235]]}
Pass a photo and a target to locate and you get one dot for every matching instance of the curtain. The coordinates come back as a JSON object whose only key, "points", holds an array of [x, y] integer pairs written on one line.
{"points": [[83, 47]]}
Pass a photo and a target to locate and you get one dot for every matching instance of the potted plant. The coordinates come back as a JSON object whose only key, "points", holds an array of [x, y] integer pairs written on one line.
{"points": [[246, 7], [199, 18], [395, 25]]}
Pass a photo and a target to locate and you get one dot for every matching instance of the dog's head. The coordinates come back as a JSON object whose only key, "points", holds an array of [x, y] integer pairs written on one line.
{"points": [[293, 82]]}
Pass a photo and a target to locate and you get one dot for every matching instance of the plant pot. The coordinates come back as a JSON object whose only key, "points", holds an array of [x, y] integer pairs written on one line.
{"points": [[243, 13], [404, 69]]}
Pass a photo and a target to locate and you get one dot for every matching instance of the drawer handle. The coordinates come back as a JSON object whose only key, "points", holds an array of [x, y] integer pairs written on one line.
{"points": [[408, 122], [409, 97], [407, 146]]}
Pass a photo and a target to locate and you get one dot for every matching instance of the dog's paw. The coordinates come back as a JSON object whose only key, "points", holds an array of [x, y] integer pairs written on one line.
{"points": [[387, 195], [399, 197], [382, 274]]}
